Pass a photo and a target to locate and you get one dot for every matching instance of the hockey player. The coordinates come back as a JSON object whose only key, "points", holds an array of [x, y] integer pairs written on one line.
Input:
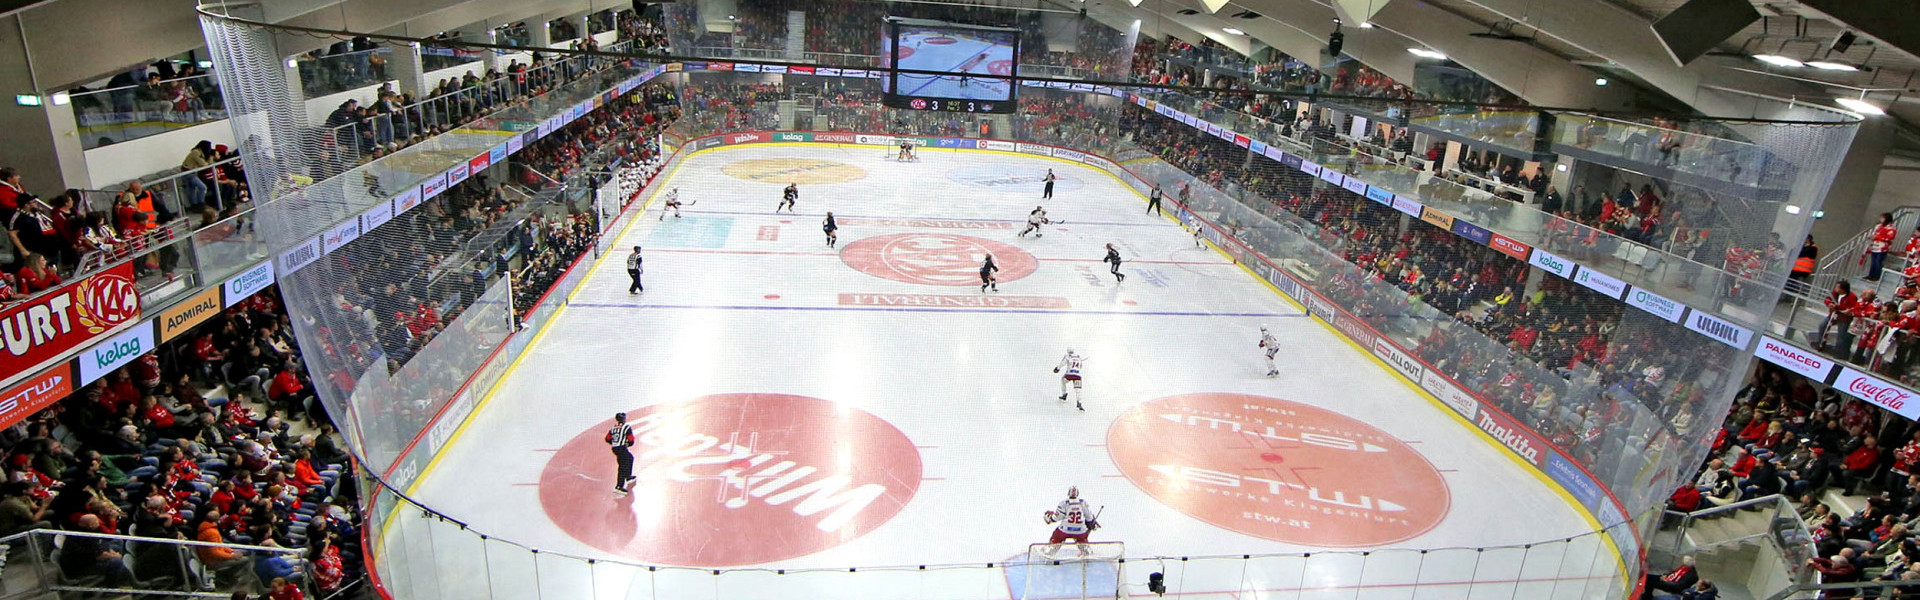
{"points": [[1070, 362], [673, 204], [987, 279], [1071, 521], [906, 152], [788, 196], [1272, 346], [832, 229], [1034, 220], [1113, 258], [1199, 241]]}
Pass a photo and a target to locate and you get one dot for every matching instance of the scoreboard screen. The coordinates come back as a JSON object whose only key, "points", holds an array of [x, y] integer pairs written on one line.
{"points": [[933, 65]]}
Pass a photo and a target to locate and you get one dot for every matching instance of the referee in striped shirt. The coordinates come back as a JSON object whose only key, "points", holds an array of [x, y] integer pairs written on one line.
{"points": [[620, 438]]}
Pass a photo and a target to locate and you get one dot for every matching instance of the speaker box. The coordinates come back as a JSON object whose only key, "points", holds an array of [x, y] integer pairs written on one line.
{"points": [[1334, 41], [1697, 26]]}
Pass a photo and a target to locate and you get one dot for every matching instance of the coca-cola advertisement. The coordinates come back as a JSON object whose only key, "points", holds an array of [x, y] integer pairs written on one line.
{"points": [[1878, 391]]}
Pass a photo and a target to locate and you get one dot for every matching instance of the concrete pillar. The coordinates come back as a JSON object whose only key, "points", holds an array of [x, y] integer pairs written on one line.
{"points": [[43, 142], [490, 59], [1850, 203], [538, 36], [404, 66]]}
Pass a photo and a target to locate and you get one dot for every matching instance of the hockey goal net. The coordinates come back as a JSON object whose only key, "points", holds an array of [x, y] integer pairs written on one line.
{"points": [[894, 150], [1069, 571]]}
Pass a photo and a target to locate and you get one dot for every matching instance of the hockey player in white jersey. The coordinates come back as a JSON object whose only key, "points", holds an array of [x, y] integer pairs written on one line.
{"points": [[673, 204], [1071, 364], [1272, 346], [1034, 220], [1071, 520]]}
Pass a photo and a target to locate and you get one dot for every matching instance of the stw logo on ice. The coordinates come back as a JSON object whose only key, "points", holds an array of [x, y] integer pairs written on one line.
{"points": [[734, 479], [1278, 470], [936, 258]]}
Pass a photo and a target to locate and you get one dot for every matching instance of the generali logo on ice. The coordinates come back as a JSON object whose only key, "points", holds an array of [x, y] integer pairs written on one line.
{"points": [[1878, 391]]}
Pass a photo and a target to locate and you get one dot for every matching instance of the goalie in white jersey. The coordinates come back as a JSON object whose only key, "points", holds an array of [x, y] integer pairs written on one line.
{"points": [[1272, 346], [1071, 520], [1071, 365]]}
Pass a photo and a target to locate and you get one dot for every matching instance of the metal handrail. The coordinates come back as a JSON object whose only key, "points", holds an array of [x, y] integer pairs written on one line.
{"points": [[137, 86]]}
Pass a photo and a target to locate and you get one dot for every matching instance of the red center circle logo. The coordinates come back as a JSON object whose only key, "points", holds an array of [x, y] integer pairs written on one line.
{"points": [[1000, 67], [936, 258], [1279, 470], [903, 52], [733, 479]]}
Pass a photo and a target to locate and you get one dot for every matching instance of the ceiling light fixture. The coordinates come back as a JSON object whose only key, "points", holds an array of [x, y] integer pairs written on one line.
{"points": [[1425, 53], [1778, 60], [1599, 81], [1233, 31], [1366, 25], [1827, 65], [1860, 106]]}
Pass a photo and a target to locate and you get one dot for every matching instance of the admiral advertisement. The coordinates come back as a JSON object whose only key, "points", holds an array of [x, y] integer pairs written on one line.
{"points": [[183, 316], [1406, 365], [1472, 231], [1814, 366], [73, 315], [1877, 391], [1451, 394], [35, 393], [1659, 305], [1437, 218]]}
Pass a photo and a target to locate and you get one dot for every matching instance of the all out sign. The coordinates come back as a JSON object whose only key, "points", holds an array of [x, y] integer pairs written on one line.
{"points": [[1278, 470]]}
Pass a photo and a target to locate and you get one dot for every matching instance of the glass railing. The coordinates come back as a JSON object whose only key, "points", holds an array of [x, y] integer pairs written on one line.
{"points": [[48, 563], [434, 58], [1699, 281], [1760, 545], [320, 76], [1707, 156], [115, 115], [206, 243]]}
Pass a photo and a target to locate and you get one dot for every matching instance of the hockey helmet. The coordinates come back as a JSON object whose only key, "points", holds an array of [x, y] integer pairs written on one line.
{"points": [[1073, 492]]}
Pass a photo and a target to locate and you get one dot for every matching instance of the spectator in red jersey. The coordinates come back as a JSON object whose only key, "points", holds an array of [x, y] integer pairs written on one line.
{"points": [[1883, 236], [38, 276], [287, 390], [1860, 463], [10, 191], [282, 590]]}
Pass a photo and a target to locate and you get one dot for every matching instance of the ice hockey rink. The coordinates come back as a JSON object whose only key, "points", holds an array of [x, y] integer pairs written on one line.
{"points": [[803, 407]]}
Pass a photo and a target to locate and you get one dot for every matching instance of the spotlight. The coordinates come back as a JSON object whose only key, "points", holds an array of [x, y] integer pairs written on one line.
{"points": [[1827, 65], [1599, 81], [1367, 25], [1778, 60], [1233, 31], [1425, 53], [1860, 106]]}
